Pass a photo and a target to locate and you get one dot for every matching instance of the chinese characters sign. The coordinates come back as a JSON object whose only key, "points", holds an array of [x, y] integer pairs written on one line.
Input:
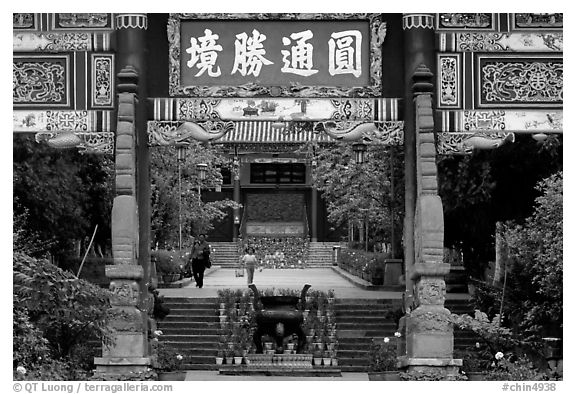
{"points": [[272, 57]]}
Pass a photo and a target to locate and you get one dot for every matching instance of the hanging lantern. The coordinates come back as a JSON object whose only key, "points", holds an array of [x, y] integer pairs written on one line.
{"points": [[181, 149], [201, 168], [359, 149]]}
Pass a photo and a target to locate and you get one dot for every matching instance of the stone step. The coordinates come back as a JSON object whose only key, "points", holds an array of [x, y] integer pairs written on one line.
{"points": [[382, 313], [343, 320], [202, 367], [172, 331], [191, 325], [191, 338], [352, 368], [197, 301], [191, 311], [196, 346]]}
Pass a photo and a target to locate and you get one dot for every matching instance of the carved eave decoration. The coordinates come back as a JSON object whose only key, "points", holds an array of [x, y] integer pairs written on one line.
{"points": [[463, 143], [85, 142], [378, 33]]}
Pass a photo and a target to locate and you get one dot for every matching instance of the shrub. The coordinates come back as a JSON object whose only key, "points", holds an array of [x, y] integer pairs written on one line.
{"points": [[65, 309], [166, 262], [383, 355]]}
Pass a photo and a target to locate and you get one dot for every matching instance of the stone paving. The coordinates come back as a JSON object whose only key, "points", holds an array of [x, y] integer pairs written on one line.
{"points": [[319, 278]]}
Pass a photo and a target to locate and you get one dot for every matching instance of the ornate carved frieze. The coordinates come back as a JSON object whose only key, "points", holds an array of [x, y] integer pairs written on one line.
{"points": [[91, 21], [484, 120], [520, 82], [102, 80], [461, 143], [25, 21], [417, 21], [386, 133], [132, 21], [449, 81], [52, 42], [483, 21], [501, 120], [40, 81], [510, 42], [537, 21], [276, 109], [56, 121], [161, 133]]}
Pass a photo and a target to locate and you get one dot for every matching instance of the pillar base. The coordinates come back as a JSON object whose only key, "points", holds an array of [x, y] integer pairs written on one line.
{"points": [[447, 366], [113, 366]]}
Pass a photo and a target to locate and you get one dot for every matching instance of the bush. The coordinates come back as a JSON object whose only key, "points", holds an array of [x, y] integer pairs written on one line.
{"points": [[66, 310], [167, 262], [536, 251], [359, 262], [383, 355]]}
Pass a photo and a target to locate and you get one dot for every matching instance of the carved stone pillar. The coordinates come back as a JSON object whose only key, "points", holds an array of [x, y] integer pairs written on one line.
{"points": [[419, 47], [129, 351], [428, 334]]}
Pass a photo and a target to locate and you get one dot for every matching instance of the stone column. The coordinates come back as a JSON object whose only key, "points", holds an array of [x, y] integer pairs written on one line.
{"points": [[131, 51], [427, 330], [314, 215], [129, 352], [236, 212], [419, 47]]}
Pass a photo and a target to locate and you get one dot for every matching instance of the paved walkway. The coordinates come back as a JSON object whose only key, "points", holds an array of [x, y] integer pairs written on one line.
{"points": [[319, 278]]}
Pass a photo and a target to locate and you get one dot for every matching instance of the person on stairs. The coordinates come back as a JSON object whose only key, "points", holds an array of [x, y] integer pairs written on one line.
{"points": [[200, 259]]}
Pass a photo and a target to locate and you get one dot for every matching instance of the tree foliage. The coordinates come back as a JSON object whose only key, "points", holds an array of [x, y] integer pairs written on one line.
{"points": [[197, 216], [361, 192], [59, 197], [536, 258], [491, 186]]}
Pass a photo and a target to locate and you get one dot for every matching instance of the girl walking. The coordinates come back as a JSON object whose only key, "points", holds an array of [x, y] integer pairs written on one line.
{"points": [[249, 260]]}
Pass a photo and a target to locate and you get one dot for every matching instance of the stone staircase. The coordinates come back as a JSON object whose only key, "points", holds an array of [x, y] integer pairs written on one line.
{"points": [[193, 327], [321, 254], [358, 321], [224, 254]]}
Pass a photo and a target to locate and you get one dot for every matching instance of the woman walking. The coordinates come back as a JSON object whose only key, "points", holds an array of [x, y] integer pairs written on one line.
{"points": [[200, 259], [249, 260]]}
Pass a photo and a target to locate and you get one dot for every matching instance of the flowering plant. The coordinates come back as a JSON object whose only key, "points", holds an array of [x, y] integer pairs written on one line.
{"points": [[383, 355], [513, 367], [168, 358]]}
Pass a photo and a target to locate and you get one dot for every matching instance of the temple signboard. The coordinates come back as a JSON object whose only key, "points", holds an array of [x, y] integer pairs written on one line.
{"points": [[320, 55]]}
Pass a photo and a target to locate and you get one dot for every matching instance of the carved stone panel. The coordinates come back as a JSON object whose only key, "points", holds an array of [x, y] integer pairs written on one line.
{"points": [[88, 21], [42, 81], [125, 292], [25, 21], [102, 80], [449, 81], [468, 21], [539, 21], [431, 291], [519, 82]]}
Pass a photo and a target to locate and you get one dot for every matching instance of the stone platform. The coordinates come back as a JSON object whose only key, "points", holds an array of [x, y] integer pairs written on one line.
{"points": [[280, 371]]}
